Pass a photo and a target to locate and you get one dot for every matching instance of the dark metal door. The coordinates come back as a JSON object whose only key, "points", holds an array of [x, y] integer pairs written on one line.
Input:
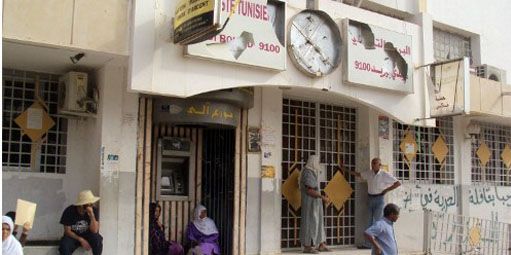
{"points": [[218, 182]]}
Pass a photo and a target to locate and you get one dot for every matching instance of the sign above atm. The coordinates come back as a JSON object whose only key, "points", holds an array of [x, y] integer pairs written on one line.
{"points": [[177, 111]]}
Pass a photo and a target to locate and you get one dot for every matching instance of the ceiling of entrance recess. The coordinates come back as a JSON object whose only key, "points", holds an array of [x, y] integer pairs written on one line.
{"points": [[321, 96], [50, 59]]}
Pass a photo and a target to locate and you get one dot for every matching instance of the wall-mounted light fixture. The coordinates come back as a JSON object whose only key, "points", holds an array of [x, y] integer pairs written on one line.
{"points": [[472, 130], [77, 57]]}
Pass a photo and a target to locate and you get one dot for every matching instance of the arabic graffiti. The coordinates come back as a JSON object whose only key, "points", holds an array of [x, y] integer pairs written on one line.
{"points": [[489, 196], [413, 197]]}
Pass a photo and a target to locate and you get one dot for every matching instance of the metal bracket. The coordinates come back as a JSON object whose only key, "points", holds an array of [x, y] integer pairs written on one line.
{"points": [[312, 4]]}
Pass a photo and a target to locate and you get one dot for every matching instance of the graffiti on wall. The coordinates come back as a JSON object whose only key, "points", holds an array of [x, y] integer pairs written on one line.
{"points": [[491, 195], [490, 202], [486, 202], [466, 235], [413, 197]]}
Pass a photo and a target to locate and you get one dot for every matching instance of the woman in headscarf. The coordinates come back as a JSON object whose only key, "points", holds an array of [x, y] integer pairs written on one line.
{"points": [[312, 231], [10, 246], [202, 233], [158, 244]]}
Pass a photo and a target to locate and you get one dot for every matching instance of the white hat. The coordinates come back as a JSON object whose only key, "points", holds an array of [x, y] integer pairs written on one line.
{"points": [[86, 197]]}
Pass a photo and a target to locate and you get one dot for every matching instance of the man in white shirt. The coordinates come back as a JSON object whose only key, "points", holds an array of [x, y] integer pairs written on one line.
{"points": [[378, 184]]}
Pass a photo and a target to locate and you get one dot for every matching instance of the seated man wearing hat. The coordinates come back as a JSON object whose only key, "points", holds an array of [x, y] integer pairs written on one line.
{"points": [[81, 226]]}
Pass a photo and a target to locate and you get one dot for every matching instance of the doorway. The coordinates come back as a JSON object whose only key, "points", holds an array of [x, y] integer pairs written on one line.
{"points": [[218, 182]]}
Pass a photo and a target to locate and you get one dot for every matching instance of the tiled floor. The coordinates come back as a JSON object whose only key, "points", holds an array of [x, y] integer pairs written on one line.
{"points": [[348, 251], [343, 251]]}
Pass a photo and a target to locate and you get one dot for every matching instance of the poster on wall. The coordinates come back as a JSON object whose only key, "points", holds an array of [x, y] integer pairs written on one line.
{"points": [[253, 34], [383, 127], [377, 57], [446, 86], [254, 139]]}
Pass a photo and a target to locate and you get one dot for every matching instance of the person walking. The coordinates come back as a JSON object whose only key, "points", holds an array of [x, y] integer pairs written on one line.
{"points": [[381, 234]]}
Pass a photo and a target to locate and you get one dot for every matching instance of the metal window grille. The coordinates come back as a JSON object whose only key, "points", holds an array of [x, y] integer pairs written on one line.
{"points": [[495, 172], [424, 168], [317, 134], [338, 126], [450, 46], [19, 94]]}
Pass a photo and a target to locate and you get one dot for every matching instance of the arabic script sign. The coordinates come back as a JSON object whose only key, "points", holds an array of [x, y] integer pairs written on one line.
{"points": [[195, 112], [378, 57], [447, 87]]}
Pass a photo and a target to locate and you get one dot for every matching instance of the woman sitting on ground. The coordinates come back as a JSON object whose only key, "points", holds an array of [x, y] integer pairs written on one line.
{"points": [[202, 233], [26, 227], [158, 244], [10, 245]]}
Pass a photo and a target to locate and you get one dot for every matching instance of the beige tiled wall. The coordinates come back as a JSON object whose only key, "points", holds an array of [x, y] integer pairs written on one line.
{"points": [[99, 25]]}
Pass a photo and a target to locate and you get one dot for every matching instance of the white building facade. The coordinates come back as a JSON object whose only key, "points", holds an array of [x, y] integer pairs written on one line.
{"points": [[251, 118]]}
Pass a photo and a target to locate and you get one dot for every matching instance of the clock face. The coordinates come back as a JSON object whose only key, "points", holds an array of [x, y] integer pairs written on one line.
{"points": [[314, 43]]}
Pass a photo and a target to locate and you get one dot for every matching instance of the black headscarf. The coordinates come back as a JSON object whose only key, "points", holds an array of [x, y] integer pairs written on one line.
{"points": [[152, 210]]}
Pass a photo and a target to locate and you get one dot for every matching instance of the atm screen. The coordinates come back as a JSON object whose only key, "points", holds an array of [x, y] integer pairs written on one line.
{"points": [[174, 176]]}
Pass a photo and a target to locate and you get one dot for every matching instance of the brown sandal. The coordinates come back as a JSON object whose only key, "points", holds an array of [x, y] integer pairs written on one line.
{"points": [[310, 251], [323, 249]]}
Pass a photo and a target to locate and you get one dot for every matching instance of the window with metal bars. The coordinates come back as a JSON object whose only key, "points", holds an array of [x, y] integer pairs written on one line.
{"points": [[448, 45], [495, 172], [425, 168], [19, 88], [312, 128]]}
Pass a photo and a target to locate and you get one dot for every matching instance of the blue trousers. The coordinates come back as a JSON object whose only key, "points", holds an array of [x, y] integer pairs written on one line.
{"points": [[68, 245], [375, 207]]}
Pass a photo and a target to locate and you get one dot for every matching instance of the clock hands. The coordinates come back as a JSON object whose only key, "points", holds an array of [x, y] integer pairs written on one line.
{"points": [[299, 56], [314, 46]]}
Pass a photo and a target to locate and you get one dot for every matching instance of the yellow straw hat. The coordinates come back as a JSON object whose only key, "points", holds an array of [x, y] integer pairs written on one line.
{"points": [[86, 197]]}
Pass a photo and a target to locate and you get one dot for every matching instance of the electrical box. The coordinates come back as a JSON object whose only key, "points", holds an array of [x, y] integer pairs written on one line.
{"points": [[72, 92], [176, 164]]}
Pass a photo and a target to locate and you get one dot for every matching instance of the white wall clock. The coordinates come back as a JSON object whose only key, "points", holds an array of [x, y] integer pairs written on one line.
{"points": [[314, 43]]}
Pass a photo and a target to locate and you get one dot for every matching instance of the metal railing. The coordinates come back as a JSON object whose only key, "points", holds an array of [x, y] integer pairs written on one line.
{"points": [[458, 234]]}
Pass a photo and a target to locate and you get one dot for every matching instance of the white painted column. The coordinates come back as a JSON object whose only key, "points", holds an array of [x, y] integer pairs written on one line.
{"points": [[253, 224], [118, 113], [366, 148], [463, 165], [270, 210]]}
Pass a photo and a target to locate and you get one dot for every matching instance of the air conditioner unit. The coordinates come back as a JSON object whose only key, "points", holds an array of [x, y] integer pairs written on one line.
{"points": [[72, 92], [491, 73]]}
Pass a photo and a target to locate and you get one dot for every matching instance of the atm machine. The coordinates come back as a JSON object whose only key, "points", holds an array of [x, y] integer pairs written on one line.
{"points": [[175, 168]]}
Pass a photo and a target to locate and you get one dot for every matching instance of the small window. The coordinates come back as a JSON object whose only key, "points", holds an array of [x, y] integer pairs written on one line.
{"points": [[450, 46], [19, 93]]}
